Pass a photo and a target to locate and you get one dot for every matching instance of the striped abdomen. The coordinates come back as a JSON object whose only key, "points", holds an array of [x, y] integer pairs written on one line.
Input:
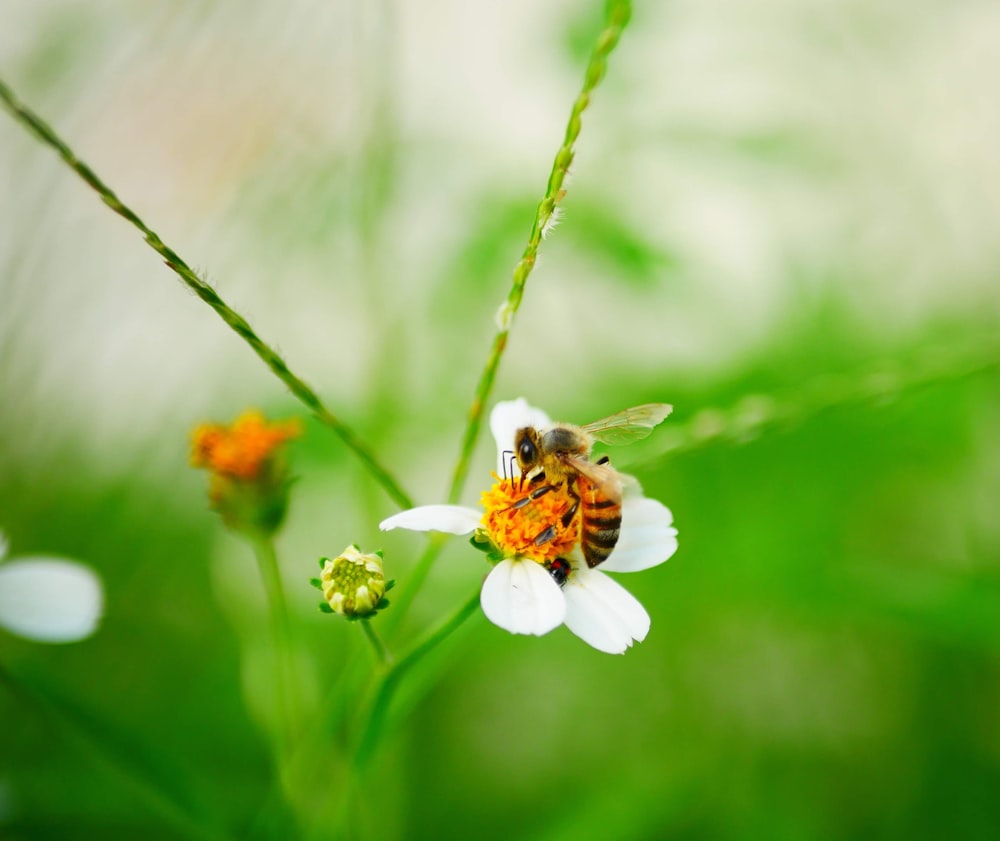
{"points": [[600, 521]]}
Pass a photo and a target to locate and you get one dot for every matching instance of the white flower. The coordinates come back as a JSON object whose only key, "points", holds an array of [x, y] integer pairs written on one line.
{"points": [[49, 599], [521, 594]]}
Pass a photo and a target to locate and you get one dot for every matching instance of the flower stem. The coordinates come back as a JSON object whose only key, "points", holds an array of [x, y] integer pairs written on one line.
{"points": [[373, 727], [616, 18], [236, 322], [286, 683], [382, 654]]}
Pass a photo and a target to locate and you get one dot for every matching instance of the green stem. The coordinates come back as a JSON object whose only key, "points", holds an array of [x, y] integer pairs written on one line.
{"points": [[348, 781], [382, 653], [286, 683], [236, 322], [616, 18], [373, 728]]}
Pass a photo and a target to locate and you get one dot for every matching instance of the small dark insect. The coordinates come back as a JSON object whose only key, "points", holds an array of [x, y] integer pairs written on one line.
{"points": [[559, 569]]}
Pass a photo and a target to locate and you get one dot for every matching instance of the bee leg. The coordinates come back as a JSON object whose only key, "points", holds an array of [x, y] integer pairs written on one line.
{"points": [[535, 494], [567, 518], [603, 460], [545, 536]]}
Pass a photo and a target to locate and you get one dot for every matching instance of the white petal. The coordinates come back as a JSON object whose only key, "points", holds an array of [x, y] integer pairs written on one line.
{"points": [[603, 613], [453, 519], [506, 419], [647, 537], [521, 597], [50, 599]]}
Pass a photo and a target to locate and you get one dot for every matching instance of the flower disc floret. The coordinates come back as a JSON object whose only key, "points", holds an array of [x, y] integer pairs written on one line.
{"points": [[515, 530], [248, 471], [240, 450]]}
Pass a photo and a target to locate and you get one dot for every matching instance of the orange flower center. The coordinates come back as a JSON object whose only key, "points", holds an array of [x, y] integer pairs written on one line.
{"points": [[239, 451], [534, 530]]}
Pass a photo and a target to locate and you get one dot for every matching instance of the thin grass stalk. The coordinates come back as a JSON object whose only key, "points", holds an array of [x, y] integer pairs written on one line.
{"points": [[617, 15], [236, 322]]}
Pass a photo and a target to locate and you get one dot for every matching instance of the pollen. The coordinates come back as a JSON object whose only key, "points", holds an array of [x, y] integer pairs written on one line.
{"points": [[238, 451], [535, 529]]}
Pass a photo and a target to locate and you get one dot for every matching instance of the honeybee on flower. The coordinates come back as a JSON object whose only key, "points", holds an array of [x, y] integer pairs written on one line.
{"points": [[542, 577], [560, 455]]}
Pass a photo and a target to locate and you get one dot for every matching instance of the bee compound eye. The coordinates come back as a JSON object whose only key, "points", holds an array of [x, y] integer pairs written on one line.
{"points": [[526, 451]]}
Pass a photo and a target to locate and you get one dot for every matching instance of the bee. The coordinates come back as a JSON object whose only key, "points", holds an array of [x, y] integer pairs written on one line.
{"points": [[560, 455]]}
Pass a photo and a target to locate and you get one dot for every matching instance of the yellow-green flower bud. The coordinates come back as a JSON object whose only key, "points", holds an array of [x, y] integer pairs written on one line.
{"points": [[353, 583]]}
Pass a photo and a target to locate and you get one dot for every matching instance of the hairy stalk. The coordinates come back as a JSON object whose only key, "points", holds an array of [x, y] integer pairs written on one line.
{"points": [[616, 18], [236, 322]]}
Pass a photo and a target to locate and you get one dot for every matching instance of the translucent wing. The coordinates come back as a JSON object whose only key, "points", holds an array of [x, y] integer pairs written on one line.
{"points": [[629, 424], [604, 476]]}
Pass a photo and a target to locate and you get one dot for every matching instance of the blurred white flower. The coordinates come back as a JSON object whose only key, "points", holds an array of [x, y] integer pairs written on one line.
{"points": [[47, 599], [534, 589]]}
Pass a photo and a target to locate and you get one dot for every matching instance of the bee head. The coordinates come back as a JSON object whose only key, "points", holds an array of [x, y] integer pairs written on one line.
{"points": [[526, 448]]}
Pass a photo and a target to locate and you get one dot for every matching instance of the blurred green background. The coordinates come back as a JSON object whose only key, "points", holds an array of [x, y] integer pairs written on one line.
{"points": [[784, 218]]}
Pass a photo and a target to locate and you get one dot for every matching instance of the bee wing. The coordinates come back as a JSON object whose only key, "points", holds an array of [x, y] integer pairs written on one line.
{"points": [[604, 476], [628, 425]]}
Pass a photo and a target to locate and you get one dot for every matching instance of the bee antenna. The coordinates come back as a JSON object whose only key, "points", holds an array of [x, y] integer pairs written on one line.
{"points": [[508, 463]]}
